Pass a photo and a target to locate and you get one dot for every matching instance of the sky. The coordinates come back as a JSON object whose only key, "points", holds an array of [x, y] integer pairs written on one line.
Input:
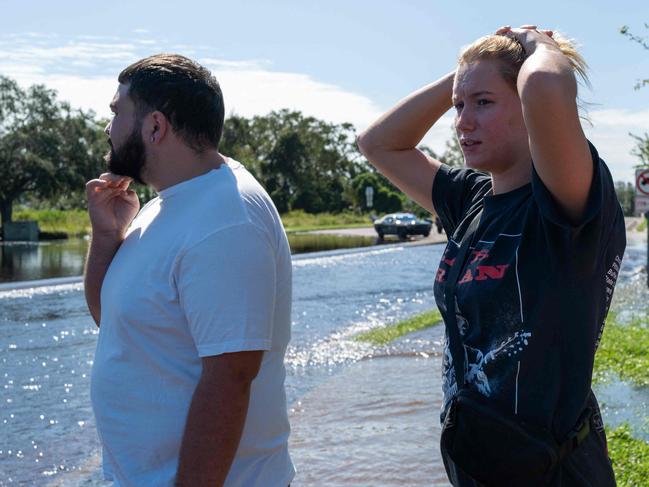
{"points": [[341, 61]]}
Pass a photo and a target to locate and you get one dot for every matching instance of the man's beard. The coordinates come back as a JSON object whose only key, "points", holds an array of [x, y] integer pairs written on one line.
{"points": [[129, 159]]}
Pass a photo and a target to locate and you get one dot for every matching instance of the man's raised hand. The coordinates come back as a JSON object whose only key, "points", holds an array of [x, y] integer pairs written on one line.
{"points": [[111, 205]]}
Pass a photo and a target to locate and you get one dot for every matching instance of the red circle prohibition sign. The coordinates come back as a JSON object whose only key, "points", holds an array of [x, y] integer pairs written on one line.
{"points": [[642, 182]]}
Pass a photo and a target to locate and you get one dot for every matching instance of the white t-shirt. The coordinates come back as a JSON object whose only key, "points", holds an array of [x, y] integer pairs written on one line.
{"points": [[205, 269]]}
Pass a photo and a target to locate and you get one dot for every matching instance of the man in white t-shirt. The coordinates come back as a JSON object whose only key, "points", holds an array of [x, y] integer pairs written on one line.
{"points": [[192, 294]]}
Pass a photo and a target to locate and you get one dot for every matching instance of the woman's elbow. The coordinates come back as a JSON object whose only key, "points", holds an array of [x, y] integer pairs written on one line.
{"points": [[361, 142], [365, 143]]}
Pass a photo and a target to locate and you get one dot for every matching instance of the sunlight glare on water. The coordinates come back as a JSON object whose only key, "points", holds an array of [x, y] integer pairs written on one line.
{"points": [[47, 343]]}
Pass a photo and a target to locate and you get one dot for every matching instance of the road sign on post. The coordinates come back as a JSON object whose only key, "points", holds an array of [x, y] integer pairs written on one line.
{"points": [[369, 196], [641, 191], [642, 181]]}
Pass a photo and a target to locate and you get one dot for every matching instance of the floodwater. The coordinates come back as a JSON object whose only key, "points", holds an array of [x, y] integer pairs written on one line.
{"points": [[47, 342], [622, 402], [26, 261], [361, 415]]}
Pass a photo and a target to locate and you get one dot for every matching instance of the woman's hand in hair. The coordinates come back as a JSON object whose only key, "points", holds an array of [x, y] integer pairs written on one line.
{"points": [[529, 36], [547, 88]]}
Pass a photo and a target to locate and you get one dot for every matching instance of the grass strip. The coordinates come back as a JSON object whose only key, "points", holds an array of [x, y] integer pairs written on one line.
{"points": [[624, 351], [310, 228], [642, 226], [75, 223], [388, 333], [300, 221], [309, 242], [630, 457]]}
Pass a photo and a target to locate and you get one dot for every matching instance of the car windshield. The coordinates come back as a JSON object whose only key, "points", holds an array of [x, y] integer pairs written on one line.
{"points": [[406, 217]]}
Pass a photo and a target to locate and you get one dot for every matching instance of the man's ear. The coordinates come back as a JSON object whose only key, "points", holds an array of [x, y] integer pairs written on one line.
{"points": [[155, 127]]}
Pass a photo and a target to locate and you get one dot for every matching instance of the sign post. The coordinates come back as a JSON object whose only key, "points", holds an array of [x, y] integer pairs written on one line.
{"points": [[646, 215], [369, 196]]}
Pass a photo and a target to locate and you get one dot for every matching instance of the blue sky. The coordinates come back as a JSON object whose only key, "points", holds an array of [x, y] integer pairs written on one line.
{"points": [[338, 60]]}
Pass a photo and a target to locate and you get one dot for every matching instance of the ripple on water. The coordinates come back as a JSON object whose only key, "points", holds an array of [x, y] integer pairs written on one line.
{"points": [[340, 390], [375, 423], [31, 292], [332, 258], [620, 401]]}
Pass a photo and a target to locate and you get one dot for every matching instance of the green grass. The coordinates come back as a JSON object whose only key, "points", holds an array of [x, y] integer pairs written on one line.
{"points": [[76, 223], [309, 242], [630, 457], [623, 354], [386, 334], [300, 221], [624, 351], [642, 226], [73, 222]]}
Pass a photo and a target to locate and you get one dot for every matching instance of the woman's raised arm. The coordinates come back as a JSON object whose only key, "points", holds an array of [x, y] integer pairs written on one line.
{"points": [[548, 91], [390, 143]]}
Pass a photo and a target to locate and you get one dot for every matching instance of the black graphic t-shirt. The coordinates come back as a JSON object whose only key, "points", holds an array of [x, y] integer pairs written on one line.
{"points": [[534, 292]]}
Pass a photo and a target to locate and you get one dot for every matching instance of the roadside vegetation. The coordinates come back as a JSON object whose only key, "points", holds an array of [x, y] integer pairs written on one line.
{"points": [[308, 242], [311, 168], [300, 221], [623, 352], [389, 333], [75, 222], [630, 457]]}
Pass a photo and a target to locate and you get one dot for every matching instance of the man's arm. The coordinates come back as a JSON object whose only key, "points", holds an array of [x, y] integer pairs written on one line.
{"points": [[216, 418], [111, 207], [100, 255]]}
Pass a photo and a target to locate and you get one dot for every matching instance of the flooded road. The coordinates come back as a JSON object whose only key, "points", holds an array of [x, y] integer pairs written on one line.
{"points": [[361, 414]]}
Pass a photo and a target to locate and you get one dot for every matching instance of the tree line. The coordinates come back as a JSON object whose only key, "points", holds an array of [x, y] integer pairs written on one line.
{"points": [[48, 150]]}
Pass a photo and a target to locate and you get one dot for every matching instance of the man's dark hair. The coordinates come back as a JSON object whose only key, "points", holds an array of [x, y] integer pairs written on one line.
{"points": [[184, 91]]}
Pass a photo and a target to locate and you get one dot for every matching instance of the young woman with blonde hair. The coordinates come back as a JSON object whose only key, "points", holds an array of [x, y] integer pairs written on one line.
{"points": [[536, 237]]}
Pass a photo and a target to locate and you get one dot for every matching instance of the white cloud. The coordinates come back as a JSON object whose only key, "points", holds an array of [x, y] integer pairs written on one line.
{"points": [[250, 92], [439, 134], [610, 134], [613, 117], [251, 64], [42, 55], [87, 93], [84, 72]]}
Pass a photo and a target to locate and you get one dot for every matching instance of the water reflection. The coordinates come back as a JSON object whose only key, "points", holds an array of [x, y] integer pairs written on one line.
{"points": [[47, 343], [24, 261], [379, 402]]}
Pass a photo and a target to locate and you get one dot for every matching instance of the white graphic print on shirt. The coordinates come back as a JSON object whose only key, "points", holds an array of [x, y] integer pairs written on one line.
{"points": [[492, 355]]}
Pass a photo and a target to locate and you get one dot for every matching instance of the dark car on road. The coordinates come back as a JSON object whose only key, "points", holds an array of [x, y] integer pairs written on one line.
{"points": [[402, 225]]}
